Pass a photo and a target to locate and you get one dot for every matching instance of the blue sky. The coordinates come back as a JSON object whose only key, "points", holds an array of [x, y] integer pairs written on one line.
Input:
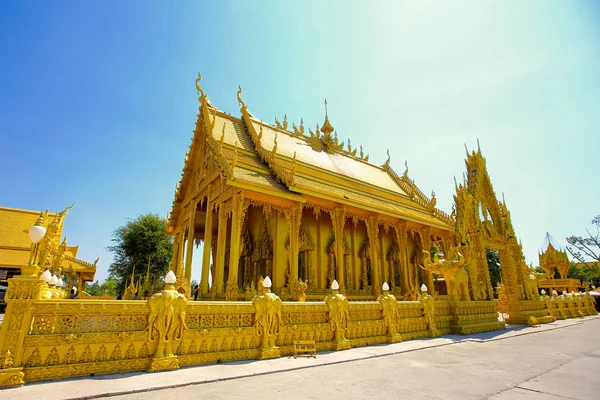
{"points": [[98, 103]]}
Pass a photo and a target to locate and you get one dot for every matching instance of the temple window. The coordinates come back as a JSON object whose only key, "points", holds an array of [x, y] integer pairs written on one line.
{"points": [[302, 275], [396, 265]]}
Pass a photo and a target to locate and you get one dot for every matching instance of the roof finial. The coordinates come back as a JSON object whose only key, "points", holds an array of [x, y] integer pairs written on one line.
{"points": [[198, 88], [239, 97], [326, 128], [478, 148], [387, 162], [406, 170]]}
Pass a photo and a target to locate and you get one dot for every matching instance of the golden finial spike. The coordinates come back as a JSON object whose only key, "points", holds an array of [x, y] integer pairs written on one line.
{"points": [[198, 88], [285, 122], [239, 98], [406, 170], [327, 128]]}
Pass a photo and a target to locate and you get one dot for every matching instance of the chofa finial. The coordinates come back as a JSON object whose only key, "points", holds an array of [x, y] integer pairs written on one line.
{"points": [[198, 88], [239, 98]]}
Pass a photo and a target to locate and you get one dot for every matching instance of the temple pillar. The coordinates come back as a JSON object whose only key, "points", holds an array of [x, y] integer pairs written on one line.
{"points": [[207, 247], [237, 217], [293, 220], [220, 259], [426, 242], [319, 283], [402, 241], [384, 271], [190, 243], [338, 218], [373, 233], [178, 267]]}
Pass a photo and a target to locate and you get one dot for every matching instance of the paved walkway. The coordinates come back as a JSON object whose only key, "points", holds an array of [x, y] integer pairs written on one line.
{"points": [[516, 363]]}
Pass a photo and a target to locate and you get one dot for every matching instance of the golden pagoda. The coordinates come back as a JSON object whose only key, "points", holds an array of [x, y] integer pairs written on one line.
{"points": [[555, 263], [296, 206]]}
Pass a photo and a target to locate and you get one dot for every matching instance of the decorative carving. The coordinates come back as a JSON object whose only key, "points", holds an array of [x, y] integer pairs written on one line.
{"points": [[391, 315], [429, 313], [452, 269], [338, 318], [268, 321], [166, 321]]}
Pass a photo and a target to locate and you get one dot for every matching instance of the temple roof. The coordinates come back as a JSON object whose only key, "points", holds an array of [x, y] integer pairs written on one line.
{"points": [[293, 163], [15, 243]]}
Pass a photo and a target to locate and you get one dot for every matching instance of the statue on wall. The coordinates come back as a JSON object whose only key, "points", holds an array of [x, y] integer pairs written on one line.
{"points": [[452, 269]]}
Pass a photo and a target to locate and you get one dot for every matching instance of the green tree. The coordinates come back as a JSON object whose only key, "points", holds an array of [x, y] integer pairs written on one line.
{"points": [[493, 261], [582, 248], [93, 289], [585, 273], [141, 242], [109, 287]]}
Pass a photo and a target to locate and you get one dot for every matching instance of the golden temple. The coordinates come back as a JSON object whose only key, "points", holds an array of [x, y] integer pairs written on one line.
{"points": [[297, 206], [314, 242]]}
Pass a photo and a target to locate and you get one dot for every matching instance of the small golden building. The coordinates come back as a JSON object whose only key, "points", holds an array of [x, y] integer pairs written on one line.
{"points": [[555, 263], [15, 246]]}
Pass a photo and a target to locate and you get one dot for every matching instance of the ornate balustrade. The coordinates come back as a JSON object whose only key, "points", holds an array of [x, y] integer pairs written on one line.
{"points": [[66, 338]]}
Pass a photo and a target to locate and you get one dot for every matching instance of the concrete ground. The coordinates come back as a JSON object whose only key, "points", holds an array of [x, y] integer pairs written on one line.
{"points": [[555, 361]]}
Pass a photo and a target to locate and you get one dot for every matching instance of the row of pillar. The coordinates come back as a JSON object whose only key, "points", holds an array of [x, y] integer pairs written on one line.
{"points": [[237, 209]]}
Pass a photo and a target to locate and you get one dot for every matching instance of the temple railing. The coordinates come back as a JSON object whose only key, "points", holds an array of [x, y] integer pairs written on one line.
{"points": [[52, 339]]}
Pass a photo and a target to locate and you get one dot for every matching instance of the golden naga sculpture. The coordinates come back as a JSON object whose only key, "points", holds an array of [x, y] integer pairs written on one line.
{"points": [[338, 317], [301, 287], [390, 314], [456, 277], [166, 324], [268, 319]]}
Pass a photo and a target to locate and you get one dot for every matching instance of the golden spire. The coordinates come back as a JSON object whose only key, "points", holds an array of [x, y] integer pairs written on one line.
{"points": [[326, 128]]}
